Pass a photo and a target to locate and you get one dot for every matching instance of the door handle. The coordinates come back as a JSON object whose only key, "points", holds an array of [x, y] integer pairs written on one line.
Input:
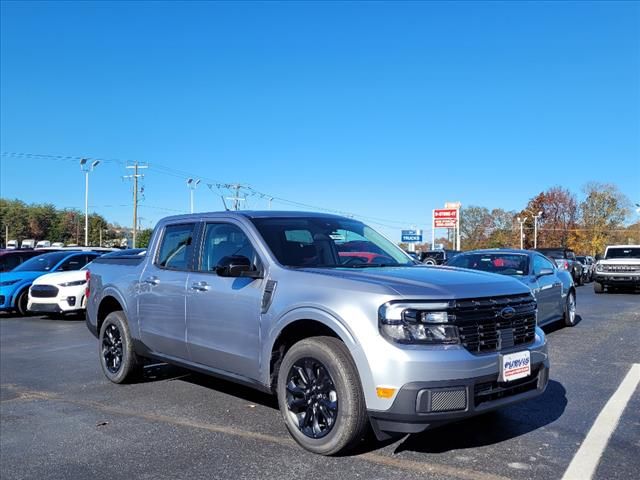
{"points": [[200, 286], [151, 281]]}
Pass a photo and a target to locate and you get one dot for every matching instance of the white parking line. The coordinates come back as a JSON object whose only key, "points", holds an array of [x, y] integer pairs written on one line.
{"points": [[586, 460]]}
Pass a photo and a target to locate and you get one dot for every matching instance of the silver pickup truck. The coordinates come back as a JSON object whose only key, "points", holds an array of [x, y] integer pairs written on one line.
{"points": [[326, 313]]}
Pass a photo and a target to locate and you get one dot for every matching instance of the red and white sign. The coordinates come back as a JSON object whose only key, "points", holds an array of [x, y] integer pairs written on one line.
{"points": [[445, 218], [445, 213], [444, 223]]}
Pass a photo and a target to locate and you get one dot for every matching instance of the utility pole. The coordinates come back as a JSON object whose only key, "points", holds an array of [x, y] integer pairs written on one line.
{"points": [[521, 222], [136, 166], [86, 168], [6, 235], [236, 198]]}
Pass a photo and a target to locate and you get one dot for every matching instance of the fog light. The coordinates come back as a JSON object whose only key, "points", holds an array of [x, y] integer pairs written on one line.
{"points": [[71, 301], [385, 392]]}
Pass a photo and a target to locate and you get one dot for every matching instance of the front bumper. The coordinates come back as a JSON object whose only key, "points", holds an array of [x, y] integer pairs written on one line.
{"points": [[44, 308], [420, 405], [632, 279]]}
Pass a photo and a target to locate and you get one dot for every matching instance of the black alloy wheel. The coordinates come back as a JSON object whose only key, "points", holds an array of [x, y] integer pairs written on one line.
{"points": [[312, 397], [112, 348]]}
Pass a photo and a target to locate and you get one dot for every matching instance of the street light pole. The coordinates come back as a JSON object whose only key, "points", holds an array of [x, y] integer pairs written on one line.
{"points": [[86, 168], [535, 229], [191, 185], [521, 222]]}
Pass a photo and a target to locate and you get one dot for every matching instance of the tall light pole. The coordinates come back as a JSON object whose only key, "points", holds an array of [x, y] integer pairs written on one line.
{"points": [[191, 185], [521, 222], [86, 168], [535, 229]]}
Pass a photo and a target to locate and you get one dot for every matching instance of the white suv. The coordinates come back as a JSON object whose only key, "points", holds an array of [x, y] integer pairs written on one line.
{"points": [[60, 292], [620, 267]]}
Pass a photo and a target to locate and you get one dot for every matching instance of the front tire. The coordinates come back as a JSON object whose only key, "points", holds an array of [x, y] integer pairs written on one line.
{"points": [[570, 310], [22, 302], [320, 396], [598, 287], [118, 360]]}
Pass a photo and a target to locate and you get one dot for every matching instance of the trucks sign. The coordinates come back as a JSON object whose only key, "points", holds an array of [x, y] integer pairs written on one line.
{"points": [[410, 236]]}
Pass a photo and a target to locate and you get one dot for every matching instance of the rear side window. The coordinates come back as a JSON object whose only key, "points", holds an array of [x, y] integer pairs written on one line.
{"points": [[176, 247]]}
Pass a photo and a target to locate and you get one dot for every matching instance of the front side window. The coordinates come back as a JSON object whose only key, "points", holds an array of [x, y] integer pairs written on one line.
{"points": [[75, 262], [224, 240], [176, 247], [328, 242], [540, 263]]}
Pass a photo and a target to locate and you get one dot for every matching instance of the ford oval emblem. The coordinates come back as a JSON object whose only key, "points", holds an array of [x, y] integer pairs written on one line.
{"points": [[507, 312]]}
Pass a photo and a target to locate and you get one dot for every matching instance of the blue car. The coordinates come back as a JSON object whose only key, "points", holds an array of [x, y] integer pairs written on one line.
{"points": [[14, 285]]}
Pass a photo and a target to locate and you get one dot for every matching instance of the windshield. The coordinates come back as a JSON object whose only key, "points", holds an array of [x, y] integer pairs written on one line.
{"points": [[328, 242], [555, 254], [633, 252], [41, 263], [503, 263]]}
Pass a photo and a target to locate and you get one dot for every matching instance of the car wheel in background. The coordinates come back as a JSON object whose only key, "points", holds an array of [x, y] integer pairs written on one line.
{"points": [[570, 310], [22, 302], [320, 396], [118, 360], [598, 287], [430, 261]]}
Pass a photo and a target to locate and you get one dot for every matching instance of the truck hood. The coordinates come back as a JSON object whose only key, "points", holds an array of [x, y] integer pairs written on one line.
{"points": [[436, 282], [620, 261], [56, 278]]}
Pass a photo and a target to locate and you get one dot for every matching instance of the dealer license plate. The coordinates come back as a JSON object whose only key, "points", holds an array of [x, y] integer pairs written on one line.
{"points": [[514, 366]]}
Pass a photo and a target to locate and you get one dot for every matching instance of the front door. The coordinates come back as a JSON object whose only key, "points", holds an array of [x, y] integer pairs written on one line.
{"points": [[223, 314], [162, 292], [548, 290]]}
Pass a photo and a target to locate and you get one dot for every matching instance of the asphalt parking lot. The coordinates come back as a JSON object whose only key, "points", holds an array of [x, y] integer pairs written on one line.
{"points": [[60, 417]]}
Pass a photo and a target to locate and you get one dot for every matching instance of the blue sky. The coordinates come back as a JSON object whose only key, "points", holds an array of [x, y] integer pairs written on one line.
{"points": [[386, 110]]}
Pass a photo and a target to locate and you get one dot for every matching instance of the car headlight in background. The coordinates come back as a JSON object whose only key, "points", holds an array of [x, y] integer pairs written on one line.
{"points": [[8, 282], [418, 323], [75, 283], [598, 267]]}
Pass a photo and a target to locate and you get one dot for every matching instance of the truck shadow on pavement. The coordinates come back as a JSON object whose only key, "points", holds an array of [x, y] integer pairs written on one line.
{"points": [[493, 427]]}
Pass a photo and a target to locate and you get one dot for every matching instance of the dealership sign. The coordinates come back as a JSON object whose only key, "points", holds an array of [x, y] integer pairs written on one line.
{"points": [[445, 218], [412, 236]]}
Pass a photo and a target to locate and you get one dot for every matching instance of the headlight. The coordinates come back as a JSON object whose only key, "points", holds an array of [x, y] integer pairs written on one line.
{"points": [[73, 284], [598, 267], [8, 282], [418, 323]]}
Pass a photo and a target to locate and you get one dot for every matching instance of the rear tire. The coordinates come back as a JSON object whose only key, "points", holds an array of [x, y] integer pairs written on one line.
{"points": [[22, 302], [118, 360], [314, 365], [570, 310], [430, 261], [598, 287]]}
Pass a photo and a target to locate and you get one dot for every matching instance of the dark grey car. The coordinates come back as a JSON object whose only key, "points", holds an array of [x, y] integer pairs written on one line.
{"points": [[553, 288]]}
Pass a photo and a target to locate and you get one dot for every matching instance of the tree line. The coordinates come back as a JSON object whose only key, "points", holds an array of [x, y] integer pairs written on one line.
{"points": [[601, 216], [43, 221]]}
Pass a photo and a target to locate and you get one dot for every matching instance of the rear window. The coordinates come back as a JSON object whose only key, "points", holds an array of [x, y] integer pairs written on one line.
{"points": [[176, 247]]}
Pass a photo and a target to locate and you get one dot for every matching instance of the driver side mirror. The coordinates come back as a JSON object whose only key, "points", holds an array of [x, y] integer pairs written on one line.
{"points": [[545, 271], [236, 266]]}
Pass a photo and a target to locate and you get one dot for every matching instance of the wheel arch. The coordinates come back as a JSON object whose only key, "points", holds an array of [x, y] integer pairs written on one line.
{"points": [[296, 326], [107, 305]]}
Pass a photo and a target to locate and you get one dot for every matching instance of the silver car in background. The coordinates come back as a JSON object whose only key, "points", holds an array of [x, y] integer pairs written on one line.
{"points": [[553, 288]]}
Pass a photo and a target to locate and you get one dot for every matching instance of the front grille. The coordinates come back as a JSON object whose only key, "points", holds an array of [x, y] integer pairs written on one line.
{"points": [[44, 291], [621, 268], [484, 329], [494, 390], [447, 400]]}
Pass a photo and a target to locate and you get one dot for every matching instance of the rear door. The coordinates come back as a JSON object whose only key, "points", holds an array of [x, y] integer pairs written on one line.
{"points": [[161, 292], [223, 313]]}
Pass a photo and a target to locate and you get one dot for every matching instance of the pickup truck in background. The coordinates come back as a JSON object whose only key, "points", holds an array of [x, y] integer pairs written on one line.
{"points": [[565, 259], [620, 267], [267, 300]]}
